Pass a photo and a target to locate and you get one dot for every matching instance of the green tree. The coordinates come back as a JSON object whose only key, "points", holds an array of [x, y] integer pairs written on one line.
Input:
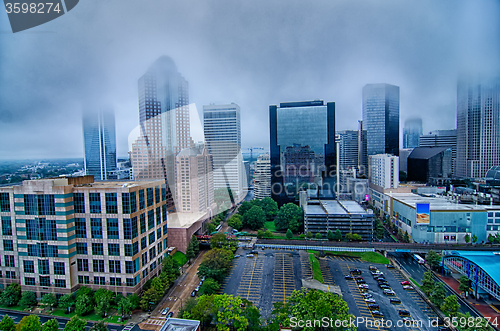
{"points": [[102, 307], [474, 238], [48, 300], [491, 238], [309, 235], [338, 235], [216, 264], [244, 207], [66, 302], [260, 234], [348, 236], [104, 294], [235, 222], [270, 208], [125, 306], [209, 286], [254, 218], [428, 283], [290, 216], [432, 259], [218, 240], [289, 234], [196, 244], [268, 234], [29, 323], [467, 238], [329, 235], [229, 313], [464, 283], [28, 299], [356, 237], [479, 323], [318, 235], [84, 290], [7, 324], [51, 325], [438, 295], [135, 300], [450, 305], [99, 326], [75, 324], [84, 305], [190, 252], [11, 295], [151, 295]]}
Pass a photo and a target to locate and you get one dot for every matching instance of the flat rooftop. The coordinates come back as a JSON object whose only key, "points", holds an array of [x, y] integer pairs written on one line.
{"points": [[184, 220], [179, 324], [334, 207], [411, 200]]}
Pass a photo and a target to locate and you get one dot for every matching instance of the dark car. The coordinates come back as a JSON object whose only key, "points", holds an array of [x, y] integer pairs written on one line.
{"points": [[356, 272], [348, 277], [377, 313], [395, 300], [358, 277], [254, 252], [361, 281], [372, 268], [170, 314], [193, 293], [389, 266], [403, 312], [384, 286], [374, 306]]}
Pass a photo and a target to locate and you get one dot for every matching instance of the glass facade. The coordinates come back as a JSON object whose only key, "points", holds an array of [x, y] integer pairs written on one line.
{"points": [[412, 132], [381, 118]]}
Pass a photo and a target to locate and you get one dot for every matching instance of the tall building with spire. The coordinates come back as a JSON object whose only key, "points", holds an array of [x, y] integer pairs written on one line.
{"points": [[99, 143]]}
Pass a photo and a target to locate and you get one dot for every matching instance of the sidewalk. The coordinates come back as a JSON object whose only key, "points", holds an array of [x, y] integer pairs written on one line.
{"points": [[485, 309]]}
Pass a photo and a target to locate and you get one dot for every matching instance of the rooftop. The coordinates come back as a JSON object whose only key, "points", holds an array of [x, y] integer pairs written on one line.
{"points": [[439, 203], [426, 152], [180, 324], [184, 220], [486, 260], [334, 207]]}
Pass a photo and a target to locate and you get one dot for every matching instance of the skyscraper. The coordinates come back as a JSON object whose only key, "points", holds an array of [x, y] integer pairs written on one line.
{"points": [[384, 170], [99, 143], [262, 187], [478, 127], [442, 138], [222, 129], [412, 132], [362, 150], [381, 118], [301, 132]]}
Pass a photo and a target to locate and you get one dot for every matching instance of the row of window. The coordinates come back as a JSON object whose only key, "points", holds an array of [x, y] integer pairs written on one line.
{"points": [[4, 202], [44, 281], [43, 267], [113, 281], [114, 266], [98, 249]]}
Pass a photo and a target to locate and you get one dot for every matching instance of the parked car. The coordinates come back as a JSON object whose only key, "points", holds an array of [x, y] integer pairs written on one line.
{"points": [[384, 286], [395, 300], [361, 281], [377, 313], [193, 293], [405, 283], [356, 272], [237, 255], [197, 288], [200, 283], [407, 287], [372, 268], [382, 281], [367, 295], [374, 306], [170, 314], [389, 292], [363, 286], [389, 266], [348, 277], [203, 278], [254, 252], [358, 277], [250, 255], [165, 311], [370, 300], [403, 312]]}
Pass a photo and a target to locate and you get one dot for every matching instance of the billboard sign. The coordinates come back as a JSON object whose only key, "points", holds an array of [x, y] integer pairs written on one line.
{"points": [[423, 213]]}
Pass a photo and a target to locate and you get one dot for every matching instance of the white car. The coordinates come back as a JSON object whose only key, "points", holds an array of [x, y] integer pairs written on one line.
{"points": [[363, 286], [165, 311]]}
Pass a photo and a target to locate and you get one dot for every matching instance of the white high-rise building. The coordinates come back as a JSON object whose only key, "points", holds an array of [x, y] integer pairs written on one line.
{"points": [[384, 170], [262, 186], [222, 129]]}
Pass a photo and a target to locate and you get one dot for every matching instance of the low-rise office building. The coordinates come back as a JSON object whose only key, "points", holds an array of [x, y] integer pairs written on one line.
{"points": [[62, 233]]}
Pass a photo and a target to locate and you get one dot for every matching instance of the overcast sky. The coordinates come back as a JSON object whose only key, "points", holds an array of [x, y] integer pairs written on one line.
{"points": [[254, 53]]}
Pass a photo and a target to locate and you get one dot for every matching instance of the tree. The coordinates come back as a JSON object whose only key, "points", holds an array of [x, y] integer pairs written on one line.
{"points": [[102, 307], [244, 207], [216, 264], [330, 235], [319, 236], [289, 234], [467, 238], [151, 295], [464, 284], [338, 235], [28, 299], [190, 252], [309, 235], [125, 306], [348, 236], [432, 259], [48, 300], [474, 238], [450, 305], [84, 290], [268, 234], [11, 295], [270, 208], [196, 244], [218, 240], [104, 294], [75, 324], [254, 218], [51, 325], [83, 305], [229, 313], [356, 237], [428, 283], [66, 302], [290, 216], [7, 324], [260, 234], [209, 286], [491, 238], [438, 295], [235, 222], [479, 323], [99, 326], [135, 300], [29, 323]]}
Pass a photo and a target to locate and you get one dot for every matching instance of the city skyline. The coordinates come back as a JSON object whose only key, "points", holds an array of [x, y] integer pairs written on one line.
{"points": [[278, 61]]}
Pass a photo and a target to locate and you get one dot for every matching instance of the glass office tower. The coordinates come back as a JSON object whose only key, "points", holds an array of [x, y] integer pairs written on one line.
{"points": [[99, 143], [302, 147], [381, 118], [412, 132]]}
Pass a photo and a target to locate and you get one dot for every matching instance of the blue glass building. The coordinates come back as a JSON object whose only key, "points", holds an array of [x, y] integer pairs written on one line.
{"points": [[99, 143], [381, 118], [302, 147], [412, 132]]}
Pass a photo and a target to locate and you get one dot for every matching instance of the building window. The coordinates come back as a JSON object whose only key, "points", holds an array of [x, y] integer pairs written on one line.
{"points": [[9, 261], [144, 243], [44, 281], [115, 267], [144, 259], [79, 202], [115, 281], [126, 203], [59, 268], [10, 274], [53, 251], [95, 203], [4, 203], [43, 204], [114, 249], [157, 194], [81, 248], [112, 224], [98, 265], [130, 282], [96, 228], [164, 213], [133, 202], [130, 228], [150, 196], [111, 203], [158, 216], [130, 267], [141, 200], [6, 226], [142, 221], [152, 238], [60, 283], [158, 234], [165, 229], [29, 267], [99, 280], [30, 281], [84, 279], [135, 248], [152, 253], [82, 264], [164, 192], [128, 250], [151, 219], [41, 229], [97, 249], [8, 245], [80, 228], [160, 247], [43, 267]]}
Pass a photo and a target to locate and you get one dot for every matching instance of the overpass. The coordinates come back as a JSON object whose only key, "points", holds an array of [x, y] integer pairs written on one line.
{"points": [[373, 246]]}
